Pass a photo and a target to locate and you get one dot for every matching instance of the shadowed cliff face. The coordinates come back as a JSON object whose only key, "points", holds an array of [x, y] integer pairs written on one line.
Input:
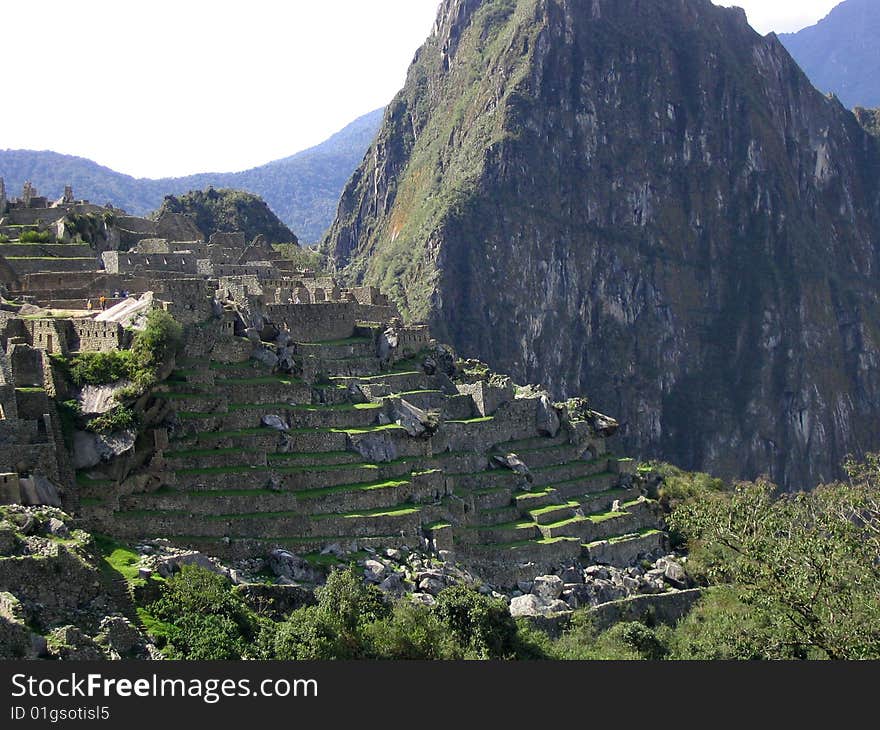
{"points": [[646, 201]]}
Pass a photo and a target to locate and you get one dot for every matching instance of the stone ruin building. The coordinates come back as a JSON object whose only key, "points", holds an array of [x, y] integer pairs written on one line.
{"points": [[302, 415]]}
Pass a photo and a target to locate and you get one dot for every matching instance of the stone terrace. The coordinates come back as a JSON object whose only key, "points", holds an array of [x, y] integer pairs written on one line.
{"points": [[257, 460]]}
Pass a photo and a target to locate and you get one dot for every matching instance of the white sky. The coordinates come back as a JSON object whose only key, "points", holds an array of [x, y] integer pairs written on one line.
{"points": [[173, 87]]}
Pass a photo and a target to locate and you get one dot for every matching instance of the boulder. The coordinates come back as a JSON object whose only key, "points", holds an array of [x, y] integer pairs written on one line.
{"points": [[374, 571], [9, 541], [599, 572], [334, 549], [579, 595], [57, 528], [39, 491], [414, 420], [169, 565], [97, 399], [378, 448], [547, 419], [444, 359], [263, 355], [548, 587], [528, 605], [286, 564], [276, 422], [90, 449], [424, 599], [675, 574], [393, 585], [602, 425], [514, 463], [286, 360], [431, 585], [572, 575]]}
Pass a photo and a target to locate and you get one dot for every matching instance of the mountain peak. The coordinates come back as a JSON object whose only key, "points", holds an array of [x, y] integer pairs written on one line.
{"points": [[644, 200]]}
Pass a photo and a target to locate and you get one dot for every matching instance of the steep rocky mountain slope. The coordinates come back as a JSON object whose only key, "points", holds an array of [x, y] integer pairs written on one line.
{"points": [[302, 190], [643, 200], [227, 211], [841, 53]]}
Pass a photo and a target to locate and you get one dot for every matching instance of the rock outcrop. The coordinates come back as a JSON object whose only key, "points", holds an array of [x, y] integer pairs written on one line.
{"points": [[644, 200]]}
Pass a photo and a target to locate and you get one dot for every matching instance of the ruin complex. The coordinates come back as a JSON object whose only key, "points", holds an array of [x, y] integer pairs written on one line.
{"points": [[300, 415]]}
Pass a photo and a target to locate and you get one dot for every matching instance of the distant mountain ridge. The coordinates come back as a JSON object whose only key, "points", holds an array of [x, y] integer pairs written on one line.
{"points": [[302, 190], [841, 53]]}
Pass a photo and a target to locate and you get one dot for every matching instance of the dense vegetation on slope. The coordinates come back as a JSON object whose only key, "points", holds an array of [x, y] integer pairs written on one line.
{"points": [[645, 201], [229, 211], [303, 190], [841, 53]]}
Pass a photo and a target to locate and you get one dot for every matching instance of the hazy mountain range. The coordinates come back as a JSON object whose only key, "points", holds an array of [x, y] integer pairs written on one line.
{"points": [[303, 189], [840, 53]]}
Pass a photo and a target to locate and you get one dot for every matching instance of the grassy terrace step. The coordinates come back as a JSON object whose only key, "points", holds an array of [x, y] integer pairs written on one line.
{"points": [[481, 419], [349, 488], [590, 500], [401, 510], [504, 526], [578, 481], [291, 541], [547, 472], [519, 544], [337, 343], [546, 515], [534, 444], [264, 431], [536, 498], [381, 377], [622, 549], [266, 407], [260, 380], [648, 532], [405, 393], [190, 453], [326, 457]]}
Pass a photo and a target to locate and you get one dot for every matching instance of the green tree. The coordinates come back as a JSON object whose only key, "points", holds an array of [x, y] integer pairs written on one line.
{"points": [[480, 624], [336, 628], [203, 619], [412, 631], [160, 340], [805, 565]]}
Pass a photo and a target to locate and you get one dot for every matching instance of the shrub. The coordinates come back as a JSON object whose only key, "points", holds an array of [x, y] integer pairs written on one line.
{"points": [[202, 619], [481, 624], [307, 634], [113, 421], [38, 237], [411, 631], [722, 627], [100, 368], [159, 341]]}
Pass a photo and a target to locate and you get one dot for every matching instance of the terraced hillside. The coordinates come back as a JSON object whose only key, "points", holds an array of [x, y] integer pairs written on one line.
{"points": [[357, 451]]}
